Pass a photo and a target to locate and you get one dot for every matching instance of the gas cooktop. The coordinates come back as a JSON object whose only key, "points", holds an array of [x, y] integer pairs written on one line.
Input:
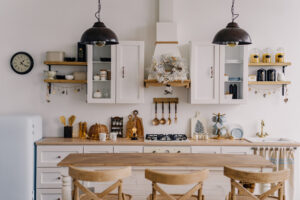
{"points": [[166, 137]]}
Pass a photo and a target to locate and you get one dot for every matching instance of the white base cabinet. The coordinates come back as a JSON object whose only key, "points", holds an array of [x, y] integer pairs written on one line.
{"points": [[217, 71]]}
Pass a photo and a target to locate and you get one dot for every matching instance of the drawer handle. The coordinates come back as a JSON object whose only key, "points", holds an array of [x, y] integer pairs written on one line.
{"points": [[59, 157], [58, 178], [167, 151], [58, 198], [153, 151], [178, 151]]}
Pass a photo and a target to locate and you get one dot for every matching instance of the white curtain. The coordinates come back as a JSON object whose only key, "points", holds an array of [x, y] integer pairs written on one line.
{"points": [[282, 158]]}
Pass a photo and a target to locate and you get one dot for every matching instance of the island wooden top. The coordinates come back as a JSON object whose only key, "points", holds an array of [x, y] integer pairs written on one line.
{"points": [[141, 142], [177, 160]]}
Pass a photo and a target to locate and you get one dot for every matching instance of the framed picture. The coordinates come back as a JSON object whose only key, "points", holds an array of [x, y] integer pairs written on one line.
{"points": [[198, 125]]}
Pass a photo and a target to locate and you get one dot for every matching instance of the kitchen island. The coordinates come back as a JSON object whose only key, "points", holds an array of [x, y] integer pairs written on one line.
{"points": [[51, 151], [215, 187]]}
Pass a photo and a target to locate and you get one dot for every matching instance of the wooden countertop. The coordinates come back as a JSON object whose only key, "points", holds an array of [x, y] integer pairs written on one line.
{"points": [[141, 142], [183, 160]]}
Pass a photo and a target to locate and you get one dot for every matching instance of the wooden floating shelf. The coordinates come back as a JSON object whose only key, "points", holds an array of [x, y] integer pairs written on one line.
{"points": [[65, 81], [269, 82], [155, 83], [66, 63], [261, 64]]}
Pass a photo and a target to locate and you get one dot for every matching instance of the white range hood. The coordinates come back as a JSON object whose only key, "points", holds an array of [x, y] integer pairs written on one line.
{"points": [[166, 31]]}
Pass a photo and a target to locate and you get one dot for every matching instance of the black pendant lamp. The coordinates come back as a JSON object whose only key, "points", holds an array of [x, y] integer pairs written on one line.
{"points": [[232, 35], [99, 34]]}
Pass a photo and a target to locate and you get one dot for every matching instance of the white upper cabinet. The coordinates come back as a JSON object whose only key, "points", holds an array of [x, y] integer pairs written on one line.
{"points": [[116, 73], [216, 72], [204, 73], [130, 72]]}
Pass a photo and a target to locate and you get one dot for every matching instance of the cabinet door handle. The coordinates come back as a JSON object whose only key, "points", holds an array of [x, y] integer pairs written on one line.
{"points": [[58, 178], [211, 72], [153, 151], [167, 151], [123, 72], [59, 157], [178, 151]]}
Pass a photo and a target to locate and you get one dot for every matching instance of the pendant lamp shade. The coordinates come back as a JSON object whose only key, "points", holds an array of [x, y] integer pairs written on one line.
{"points": [[231, 35], [99, 34]]}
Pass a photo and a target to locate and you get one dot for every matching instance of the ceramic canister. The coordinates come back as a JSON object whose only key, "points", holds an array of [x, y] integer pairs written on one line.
{"points": [[261, 75], [271, 75]]}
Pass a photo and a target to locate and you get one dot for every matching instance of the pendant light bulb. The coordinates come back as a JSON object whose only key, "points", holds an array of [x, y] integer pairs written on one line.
{"points": [[232, 35]]}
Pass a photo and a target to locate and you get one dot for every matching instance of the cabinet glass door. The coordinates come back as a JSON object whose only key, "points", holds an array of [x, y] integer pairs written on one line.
{"points": [[233, 75], [101, 74]]}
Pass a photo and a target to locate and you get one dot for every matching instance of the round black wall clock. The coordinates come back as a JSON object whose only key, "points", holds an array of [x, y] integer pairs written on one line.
{"points": [[21, 63]]}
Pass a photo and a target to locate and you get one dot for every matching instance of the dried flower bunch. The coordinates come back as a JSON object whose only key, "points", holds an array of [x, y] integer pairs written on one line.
{"points": [[168, 68]]}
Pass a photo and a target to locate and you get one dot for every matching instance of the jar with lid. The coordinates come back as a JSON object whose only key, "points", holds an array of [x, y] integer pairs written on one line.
{"points": [[267, 55], [255, 56], [279, 57]]}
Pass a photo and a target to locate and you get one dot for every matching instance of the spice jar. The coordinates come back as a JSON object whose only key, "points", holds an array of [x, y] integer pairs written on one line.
{"points": [[279, 57], [254, 56], [267, 55]]}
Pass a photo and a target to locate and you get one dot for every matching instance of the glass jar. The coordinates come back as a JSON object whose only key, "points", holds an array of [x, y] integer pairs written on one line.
{"points": [[267, 55], [279, 57], [255, 56]]}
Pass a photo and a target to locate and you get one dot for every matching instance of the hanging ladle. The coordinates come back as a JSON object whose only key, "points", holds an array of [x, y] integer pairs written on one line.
{"points": [[155, 121], [163, 120], [169, 119]]}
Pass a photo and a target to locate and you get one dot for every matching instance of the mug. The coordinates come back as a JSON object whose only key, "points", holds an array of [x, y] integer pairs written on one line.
{"points": [[102, 137], [113, 136], [280, 76]]}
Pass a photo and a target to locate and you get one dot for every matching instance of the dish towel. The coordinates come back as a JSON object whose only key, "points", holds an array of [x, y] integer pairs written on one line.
{"points": [[282, 158]]}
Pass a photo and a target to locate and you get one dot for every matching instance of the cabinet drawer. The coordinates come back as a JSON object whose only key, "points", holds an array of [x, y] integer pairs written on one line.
{"points": [[206, 149], [50, 177], [48, 194], [128, 149], [50, 156], [98, 149], [236, 150], [166, 149]]}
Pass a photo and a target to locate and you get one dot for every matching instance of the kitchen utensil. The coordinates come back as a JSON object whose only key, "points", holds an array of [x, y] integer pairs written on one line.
{"points": [[72, 120], [62, 120], [169, 119], [68, 132], [102, 137], [175, 113], [261, 75], [155, 121], [271, 75], [69, 77], [80, 76], [235, 130], [138, 124], [163, 120], [55, 56]]}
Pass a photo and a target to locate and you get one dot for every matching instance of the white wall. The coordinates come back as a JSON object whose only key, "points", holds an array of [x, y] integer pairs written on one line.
{"points": [[38, 26]]}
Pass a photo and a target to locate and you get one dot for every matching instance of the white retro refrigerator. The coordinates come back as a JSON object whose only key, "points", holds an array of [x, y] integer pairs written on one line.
{"points": [[17, 155]]}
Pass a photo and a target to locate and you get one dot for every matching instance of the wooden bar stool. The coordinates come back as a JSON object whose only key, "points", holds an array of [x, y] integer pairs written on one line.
{"points": [[176, 179], [99, 176], [239, 180]]}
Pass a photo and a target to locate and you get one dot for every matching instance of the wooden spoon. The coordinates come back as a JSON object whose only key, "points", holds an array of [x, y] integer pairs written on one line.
{"points": [[62, 120], [163, 120], [169, 119], [72, 120], [155, 121]]}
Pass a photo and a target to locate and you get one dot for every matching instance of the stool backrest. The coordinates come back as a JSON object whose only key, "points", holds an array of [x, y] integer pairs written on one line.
{"points": [[238, 178], [98, 176], [176, 179]]}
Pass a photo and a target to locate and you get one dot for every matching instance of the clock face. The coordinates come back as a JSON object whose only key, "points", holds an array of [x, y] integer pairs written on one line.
{"points": [[21, 63]]}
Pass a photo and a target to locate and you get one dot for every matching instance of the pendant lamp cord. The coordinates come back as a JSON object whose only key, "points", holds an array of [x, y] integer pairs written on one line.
{"points": [[97, 14], [234, 15]]}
